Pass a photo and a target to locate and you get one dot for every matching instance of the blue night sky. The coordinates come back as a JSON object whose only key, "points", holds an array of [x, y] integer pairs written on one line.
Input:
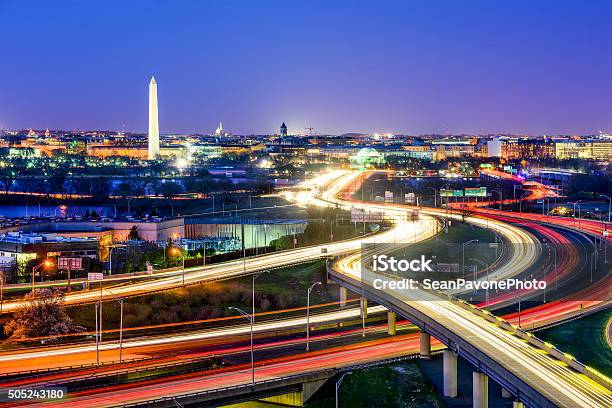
{"points": [[369, 66]]}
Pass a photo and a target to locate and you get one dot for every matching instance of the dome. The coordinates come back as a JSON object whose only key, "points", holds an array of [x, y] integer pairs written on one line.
{"points": [[367, 152]]}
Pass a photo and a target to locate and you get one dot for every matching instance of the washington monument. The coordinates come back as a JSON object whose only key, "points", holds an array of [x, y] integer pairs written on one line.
{"points": [[153, 121]]}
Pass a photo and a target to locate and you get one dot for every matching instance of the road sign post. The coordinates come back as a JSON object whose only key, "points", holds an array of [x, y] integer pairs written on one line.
{"points": [[69, 264], [97, 276]]}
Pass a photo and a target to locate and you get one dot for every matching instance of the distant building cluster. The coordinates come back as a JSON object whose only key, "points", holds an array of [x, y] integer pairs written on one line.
{"points": [[433, 148], [589, 148], [220, 142]]}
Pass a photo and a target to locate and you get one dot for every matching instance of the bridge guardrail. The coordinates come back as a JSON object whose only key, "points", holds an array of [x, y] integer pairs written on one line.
{"points": [[541, 344]]}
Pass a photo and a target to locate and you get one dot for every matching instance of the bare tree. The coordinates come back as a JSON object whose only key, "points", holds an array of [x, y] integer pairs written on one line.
{"points": [[41, 315], [7, 177]]}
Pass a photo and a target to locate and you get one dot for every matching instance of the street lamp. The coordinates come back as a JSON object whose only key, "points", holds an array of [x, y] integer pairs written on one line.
{"points": [[46, 263], [339, 382], [98, 304], [435, 198], [176, 251], [110, 257], [520, 186], [250, 319], [447, 198], [487, 266], [521, 202], [120, 330], [1, 291], [574, 212], [501, 196], [308, 315], [609, 204], [120, 301], [463, 255]]}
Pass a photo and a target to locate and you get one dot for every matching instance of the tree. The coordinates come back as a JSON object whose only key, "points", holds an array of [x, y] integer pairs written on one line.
{"points": [[56, 182], [133, 235], [139, 187], [99, 188], [42, 315], [170, 189], [466, 211], [7, 177], [124, 189]]}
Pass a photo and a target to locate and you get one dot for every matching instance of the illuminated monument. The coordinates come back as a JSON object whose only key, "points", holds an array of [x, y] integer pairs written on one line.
{"points": [[153, 121]]}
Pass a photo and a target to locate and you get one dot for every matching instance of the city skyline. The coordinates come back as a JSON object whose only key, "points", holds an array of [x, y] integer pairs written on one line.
{"points": [[533, 69]]}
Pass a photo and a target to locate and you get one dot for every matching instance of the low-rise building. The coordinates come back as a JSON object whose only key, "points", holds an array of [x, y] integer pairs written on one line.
{"points": [[23, 247]]}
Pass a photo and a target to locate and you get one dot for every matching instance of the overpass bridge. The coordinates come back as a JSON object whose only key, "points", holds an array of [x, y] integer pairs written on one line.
{"points": [[533, 372], [291, 390]]}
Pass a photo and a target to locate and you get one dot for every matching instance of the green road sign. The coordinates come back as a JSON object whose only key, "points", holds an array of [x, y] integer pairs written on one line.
{"points": [[476, 192]]}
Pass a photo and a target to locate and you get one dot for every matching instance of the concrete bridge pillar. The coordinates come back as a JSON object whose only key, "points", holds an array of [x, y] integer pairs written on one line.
{"points": [[343, 296], [363, 306], [425, 345], [391, 317], [518, 404], [480, 390], [450, 373], [506, 393]]}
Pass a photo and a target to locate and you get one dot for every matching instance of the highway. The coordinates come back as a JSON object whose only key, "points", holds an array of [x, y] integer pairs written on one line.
{"points": [[333, 358], [493, 339], [560, 384], [543, 373], [235, 268], [50, 357], [333, 182]]}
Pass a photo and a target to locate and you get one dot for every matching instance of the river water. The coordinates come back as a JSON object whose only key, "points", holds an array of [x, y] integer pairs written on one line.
{"points": [[59, 211]]}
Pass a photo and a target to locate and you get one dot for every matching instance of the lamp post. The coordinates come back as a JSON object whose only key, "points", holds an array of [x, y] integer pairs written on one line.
{"points": [[435, 197], [45, 263], [97, 304], [1, 290], [501, 196], [204, 254], [487, 266], [519, 312], [308, 315], [339, 382], [250, 319], [463, 255], [121, 330], [177, 251], [444, 187], [521, 202], [120, 301], [520, 186], [110, 258], [183, 256], [442, 201], [574, 212], [609, 204]]}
